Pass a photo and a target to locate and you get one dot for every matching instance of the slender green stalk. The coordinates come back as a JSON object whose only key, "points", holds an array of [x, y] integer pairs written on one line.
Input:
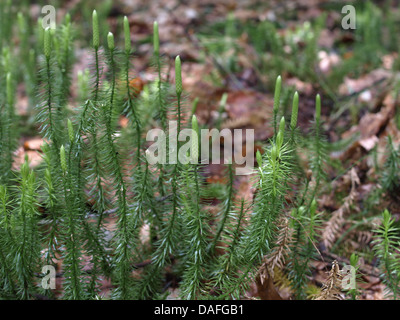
{"points": [[274, 175], [386, 243], [197, 228], [6, 274], [26, 248], [130, 105], [277, 97], [97, 172], [122, 255], [47, 52], [228, 264], [168, 239]]}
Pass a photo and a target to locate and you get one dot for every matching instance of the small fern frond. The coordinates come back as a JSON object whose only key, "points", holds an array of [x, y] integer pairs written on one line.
{"points": [[331, 287]]}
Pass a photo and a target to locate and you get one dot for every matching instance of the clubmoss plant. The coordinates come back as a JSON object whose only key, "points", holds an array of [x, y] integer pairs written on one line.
{"points": [[28, 64], [6, 22], [65, 56], [386, 241], [72, 262], [53, 206], [169, 235], [196, 224], [95, 173], [390, 176], [293, 119], [318, 150], [25, 245], [354, 263], [277, 97], [161, 101], [90, 125], [273, 174], [305, 224], [227, 207], [8, 131], [47, 114], [225, 271], [130, 107], [8, 287]]}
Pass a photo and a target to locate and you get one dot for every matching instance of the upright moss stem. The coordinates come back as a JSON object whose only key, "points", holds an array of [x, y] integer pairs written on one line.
{"points": [[226, 211]]}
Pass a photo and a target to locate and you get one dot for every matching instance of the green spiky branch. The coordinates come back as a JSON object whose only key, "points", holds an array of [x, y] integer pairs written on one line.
{"points": [[386, 243]]}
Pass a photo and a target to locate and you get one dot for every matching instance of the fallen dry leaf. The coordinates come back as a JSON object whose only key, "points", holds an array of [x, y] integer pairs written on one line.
{"points": [[360, 84]]}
